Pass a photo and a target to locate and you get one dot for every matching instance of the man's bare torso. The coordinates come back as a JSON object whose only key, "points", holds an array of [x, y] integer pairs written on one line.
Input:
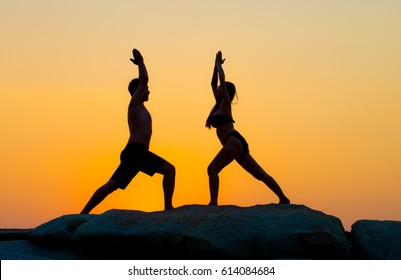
{"points": [[140, 124]]}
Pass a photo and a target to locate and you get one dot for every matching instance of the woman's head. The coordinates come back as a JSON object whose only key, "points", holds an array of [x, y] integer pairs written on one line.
{"points": [[231, 93], [231, 90]]}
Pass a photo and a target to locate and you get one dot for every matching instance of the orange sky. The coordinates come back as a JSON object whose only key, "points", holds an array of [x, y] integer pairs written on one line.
{"points": [[319, 102]]}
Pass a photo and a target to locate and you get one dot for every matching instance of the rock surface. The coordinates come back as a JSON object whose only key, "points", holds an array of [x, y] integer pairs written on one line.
{"points": [[14, 234], [376, 240], [189, 232]]}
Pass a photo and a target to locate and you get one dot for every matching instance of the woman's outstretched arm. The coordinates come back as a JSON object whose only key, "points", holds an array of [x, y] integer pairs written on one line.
{"points": [[214, 83], [222, 77]]}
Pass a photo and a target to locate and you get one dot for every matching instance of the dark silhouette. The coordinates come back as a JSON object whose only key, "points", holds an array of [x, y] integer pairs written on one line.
{"points": [[235, 146], [136, 155]]}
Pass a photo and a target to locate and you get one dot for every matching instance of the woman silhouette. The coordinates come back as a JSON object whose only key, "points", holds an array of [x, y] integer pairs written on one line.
{"points": [[234, 145]]}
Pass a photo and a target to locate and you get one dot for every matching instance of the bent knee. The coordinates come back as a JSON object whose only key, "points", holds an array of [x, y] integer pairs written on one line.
{"points": [[212, 170], [168, 169]]}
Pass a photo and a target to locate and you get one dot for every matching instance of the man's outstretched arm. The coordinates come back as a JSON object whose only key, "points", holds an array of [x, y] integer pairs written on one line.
{"points": [[143, 75]]}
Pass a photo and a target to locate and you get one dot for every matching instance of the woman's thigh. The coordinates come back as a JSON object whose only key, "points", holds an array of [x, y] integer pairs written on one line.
{"points": [[230, 151]]}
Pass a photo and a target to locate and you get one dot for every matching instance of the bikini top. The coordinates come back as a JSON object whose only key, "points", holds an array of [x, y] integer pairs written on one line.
{"points": [[218, 120]]}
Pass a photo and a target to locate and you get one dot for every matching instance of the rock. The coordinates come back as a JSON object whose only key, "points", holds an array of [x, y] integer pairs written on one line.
{"points": [[14, 234], [201, 232], [376, 240], [28, 250], [60, 230], [204, 232]]}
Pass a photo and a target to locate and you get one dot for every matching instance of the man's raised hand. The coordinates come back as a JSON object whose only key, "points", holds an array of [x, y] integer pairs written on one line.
{"points": [[137, 57]]}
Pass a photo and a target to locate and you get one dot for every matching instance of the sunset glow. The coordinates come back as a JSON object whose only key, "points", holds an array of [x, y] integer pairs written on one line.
{"points": [[319, 102]]}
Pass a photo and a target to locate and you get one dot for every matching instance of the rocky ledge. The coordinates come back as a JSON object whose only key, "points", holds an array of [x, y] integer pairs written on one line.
{"points": [[205, 232]]}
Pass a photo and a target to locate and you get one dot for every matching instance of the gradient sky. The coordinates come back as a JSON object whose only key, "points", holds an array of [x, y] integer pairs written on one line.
{"points": [[319, 102]]}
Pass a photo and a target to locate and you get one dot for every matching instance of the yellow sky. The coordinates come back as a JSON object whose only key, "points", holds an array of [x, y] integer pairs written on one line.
{"points": [[319, 102]]}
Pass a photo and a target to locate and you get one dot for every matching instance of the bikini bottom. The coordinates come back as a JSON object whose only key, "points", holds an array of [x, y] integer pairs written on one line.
{"points": [[245, 146]]}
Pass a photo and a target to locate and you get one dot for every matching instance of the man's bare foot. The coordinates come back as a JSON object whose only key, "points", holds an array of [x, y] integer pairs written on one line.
{"points": [[284, 200]]}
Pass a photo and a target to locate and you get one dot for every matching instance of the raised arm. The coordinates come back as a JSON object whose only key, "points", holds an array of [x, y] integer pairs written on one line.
{"points": [[214, 82], [222, 77], [143, 76]]}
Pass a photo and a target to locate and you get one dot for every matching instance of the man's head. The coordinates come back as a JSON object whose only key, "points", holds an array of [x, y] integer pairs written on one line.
{"points": [[133, 86]]}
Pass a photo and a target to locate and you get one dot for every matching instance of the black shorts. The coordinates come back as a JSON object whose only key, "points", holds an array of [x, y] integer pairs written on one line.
{"points": [[134, 158]]}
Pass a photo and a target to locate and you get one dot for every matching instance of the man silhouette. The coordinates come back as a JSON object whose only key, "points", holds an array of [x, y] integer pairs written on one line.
{"points": [[136, 155]]}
